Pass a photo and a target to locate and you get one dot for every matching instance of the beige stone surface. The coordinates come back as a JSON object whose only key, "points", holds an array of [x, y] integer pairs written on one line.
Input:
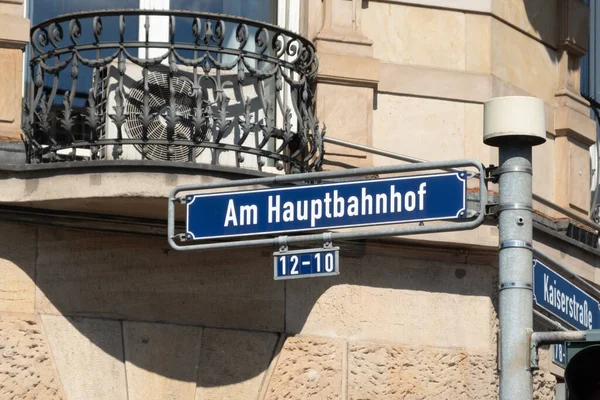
{"points": [[88, 354], [573, 25], [416, 35], [572, 174], [103, 184], [161, 360], [473, 140], [308, 368], [479, 6], [341, 32], [348, 70], [347, 113], [478, 43], [544, 167], [14, 31], [427, 251], [140, 278], [390, 298], [535, 17], [485, 236], [12, 9], [569, 122], [233, 364], [523, 62], [311, 18], [17, 268], [337, 43], [579, 177], [380, 371], [424, 128], [569, 79], [26, 368], [543, 385], [341, 13], [437, 83], [11, 65], [502, 88]]}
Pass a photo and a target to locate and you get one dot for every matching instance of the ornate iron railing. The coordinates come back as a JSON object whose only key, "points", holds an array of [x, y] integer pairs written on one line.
{"points": [[215, 89]]}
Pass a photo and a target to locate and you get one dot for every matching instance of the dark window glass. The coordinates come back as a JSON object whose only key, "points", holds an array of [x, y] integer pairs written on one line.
{"points": [[260, 10], [44, 10]]}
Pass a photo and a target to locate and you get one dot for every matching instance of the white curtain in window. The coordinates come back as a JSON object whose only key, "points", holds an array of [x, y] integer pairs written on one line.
{"points": [[159, 26]]}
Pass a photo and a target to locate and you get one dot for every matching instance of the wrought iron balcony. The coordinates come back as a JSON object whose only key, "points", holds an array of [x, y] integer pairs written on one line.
{"points": [[215, 89]]}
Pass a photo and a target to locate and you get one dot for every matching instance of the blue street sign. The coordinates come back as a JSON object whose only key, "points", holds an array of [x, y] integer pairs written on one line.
{"points": [[560, 297], [326, 206], [306, 263]]}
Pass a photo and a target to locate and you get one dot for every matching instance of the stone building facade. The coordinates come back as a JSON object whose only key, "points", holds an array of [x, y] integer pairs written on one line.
{"points": [[95, 305]]}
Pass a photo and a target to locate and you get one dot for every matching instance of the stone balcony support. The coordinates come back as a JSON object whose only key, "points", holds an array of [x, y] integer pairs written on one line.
{"points": [[347, 79]]}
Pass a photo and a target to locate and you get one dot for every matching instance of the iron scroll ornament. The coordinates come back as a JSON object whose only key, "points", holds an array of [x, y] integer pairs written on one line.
{"points": [[228, 85]]}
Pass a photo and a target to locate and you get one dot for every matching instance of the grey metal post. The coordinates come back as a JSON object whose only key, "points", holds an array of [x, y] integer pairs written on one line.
{"points": [[515, 124]]}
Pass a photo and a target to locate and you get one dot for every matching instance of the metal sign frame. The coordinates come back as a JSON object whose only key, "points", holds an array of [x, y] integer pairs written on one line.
{"points": [[470, 223]]}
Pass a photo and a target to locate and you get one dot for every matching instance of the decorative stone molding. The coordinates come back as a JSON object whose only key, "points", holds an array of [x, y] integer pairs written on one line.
{"points": [[341, 29], [572, 44], [14, 36], [348, 70], [569, 122], [347, 79], [11, 67], [573, 29], [574, 129], [14, 32]]}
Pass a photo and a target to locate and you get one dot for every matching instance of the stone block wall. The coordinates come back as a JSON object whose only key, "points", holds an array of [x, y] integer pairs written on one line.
{"points": [[116, 316], [92, 315], [26, 365], [432, 66]]}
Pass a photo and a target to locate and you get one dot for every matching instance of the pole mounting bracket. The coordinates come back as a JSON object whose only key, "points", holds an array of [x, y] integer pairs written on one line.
{"points": [[283, 243], [327, 240], [490, 176], [492, 173]]}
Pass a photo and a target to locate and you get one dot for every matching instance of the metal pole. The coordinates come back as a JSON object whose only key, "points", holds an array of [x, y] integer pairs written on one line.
{"points": [[514, 125], [515, 275]]}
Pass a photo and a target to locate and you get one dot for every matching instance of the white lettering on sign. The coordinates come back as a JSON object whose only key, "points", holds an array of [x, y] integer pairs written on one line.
{"points": [[331, 206], [248, 215], [568, 305]]}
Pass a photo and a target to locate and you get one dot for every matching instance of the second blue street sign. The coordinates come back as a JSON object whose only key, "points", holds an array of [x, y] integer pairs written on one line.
{"points": [[326, 206]]}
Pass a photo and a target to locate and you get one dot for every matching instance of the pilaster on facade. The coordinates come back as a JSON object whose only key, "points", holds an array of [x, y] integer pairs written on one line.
{"points": [[348, 76], [14, 36], [575, 130]]}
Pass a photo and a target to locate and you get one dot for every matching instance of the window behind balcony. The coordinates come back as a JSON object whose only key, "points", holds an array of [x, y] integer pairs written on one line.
{"points": [[63, 87], [43, 10]]}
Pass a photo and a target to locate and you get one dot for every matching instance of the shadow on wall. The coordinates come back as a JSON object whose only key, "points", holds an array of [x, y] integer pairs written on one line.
{"points": [[544, 16], [217, 318]]}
